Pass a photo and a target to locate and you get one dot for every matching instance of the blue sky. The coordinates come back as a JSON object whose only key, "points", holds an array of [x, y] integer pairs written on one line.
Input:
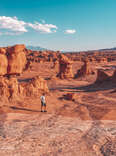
{"points": [[59, 24]]}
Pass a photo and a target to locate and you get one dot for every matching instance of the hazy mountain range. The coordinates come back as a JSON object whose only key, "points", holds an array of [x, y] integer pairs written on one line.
{"points": [[36, 48]]}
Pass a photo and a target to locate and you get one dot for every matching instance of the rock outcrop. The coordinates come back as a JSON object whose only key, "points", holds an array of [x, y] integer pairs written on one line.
{"points": [[85, 70], [102, 76], [65, 67], [101, 59], [11, 89], [2, 50], [12, 60], [16, 48], [56, 66], [16, 59], [36, 86], [70, 96], [109, 148], [3, 64]]}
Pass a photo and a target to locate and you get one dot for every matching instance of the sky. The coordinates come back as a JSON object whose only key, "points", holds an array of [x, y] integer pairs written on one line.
{"points": [[68, 25]]}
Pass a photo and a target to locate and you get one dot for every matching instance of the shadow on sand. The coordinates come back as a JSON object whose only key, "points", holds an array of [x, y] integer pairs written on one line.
{"points": [[89, 88], [25, 109]]}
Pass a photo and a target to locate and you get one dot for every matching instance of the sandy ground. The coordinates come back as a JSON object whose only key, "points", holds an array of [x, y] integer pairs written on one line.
{"points": [[83, 127]]}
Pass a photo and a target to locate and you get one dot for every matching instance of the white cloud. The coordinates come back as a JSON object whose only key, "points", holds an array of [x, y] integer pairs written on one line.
{"points": [[44, 28], [70, 31], [12, 24]]}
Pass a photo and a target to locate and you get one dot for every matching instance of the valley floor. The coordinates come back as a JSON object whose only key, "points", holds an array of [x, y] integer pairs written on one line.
{"points": [[83, 127]]}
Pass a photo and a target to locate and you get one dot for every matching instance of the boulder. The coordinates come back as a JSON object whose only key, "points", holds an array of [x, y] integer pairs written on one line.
{"points": [[70, 96]]}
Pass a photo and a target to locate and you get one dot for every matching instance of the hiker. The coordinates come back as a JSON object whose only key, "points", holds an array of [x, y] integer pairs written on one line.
{"points": [[43, 103]]}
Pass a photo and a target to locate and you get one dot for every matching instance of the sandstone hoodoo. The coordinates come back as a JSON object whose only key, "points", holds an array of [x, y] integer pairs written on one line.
{"points": [[85, 70], [102, 76], [40, 84], [65, 67], [12, 60], [16, 59], [35, 87]]}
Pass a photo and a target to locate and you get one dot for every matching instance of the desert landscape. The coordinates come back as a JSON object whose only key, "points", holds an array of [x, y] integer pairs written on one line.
{"points": [[80, 90]]}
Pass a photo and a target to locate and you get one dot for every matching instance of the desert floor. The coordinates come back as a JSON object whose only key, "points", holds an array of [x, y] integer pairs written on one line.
{"points": [[83, 127]]}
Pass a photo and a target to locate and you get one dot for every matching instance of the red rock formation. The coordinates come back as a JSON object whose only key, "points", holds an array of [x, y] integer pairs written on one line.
{"points": [[56, 66], [10, 89], [109, 147], [28, 65], [36, 86], [92, 59], [4, 92], [86, 69], [16, 48], [101, 59], [2, 50], [3, 64], [102, 76], [39, 83], [16, 59], [65, 67], [12, 60], [70, 96]]}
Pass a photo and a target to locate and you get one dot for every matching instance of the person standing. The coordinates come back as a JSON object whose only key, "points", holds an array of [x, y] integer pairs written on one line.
{"points": [[43, 103]]}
